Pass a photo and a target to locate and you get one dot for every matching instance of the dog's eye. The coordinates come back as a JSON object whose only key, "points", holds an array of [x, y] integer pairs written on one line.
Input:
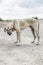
{"points": [[7, 29]]}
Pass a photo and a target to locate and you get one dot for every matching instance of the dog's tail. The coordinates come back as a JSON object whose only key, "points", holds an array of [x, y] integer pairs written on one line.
{"points": [[35, 18]]}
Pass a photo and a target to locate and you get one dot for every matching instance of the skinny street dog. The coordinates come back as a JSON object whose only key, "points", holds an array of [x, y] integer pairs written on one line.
{"points": [[20, 24]]}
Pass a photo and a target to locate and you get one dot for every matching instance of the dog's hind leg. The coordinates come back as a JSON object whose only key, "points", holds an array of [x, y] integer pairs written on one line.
{"points": [[36, 28], [37, 35], [33, 32]]}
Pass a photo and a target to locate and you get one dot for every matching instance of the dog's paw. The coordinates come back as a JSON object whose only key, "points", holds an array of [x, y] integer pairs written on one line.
{"points": [[16, 42], [32, 41], [37, 43]]}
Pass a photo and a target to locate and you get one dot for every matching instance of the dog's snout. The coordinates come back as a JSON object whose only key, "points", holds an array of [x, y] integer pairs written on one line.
{"points": [[9, 33]]}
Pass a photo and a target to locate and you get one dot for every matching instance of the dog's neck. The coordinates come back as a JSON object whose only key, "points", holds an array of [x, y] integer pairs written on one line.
{"points": [[13, 29]]}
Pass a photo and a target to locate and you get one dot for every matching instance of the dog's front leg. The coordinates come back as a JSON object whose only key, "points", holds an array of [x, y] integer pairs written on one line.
{"points": [[18, 37]]}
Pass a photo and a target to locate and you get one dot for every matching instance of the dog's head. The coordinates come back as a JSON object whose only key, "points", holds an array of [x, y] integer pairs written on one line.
{"points": [[9, 28]]}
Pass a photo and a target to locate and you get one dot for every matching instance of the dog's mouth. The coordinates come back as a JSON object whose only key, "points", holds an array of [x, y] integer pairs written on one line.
{"points": [[9, 33]]}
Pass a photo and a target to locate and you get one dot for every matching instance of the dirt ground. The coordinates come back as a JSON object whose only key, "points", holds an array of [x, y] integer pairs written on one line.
{"points": [[25, 54]]}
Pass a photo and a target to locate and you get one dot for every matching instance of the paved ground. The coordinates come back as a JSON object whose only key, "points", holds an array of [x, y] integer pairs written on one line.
{"points": [[25, 54]]}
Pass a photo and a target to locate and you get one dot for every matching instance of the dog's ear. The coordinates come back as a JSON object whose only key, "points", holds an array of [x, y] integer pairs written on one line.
{"points": [[13, 28], [4, 29]]}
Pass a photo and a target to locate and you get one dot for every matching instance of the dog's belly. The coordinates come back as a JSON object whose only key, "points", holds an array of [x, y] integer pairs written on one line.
{"points": [[24, 25]]}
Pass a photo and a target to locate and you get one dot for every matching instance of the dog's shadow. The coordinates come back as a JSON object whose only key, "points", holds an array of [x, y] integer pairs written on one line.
{"points": [[20, 46], [11, 46], [17, 46]]}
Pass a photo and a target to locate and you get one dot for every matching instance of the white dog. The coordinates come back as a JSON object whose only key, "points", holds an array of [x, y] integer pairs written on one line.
{"points": [[20, 24]]}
